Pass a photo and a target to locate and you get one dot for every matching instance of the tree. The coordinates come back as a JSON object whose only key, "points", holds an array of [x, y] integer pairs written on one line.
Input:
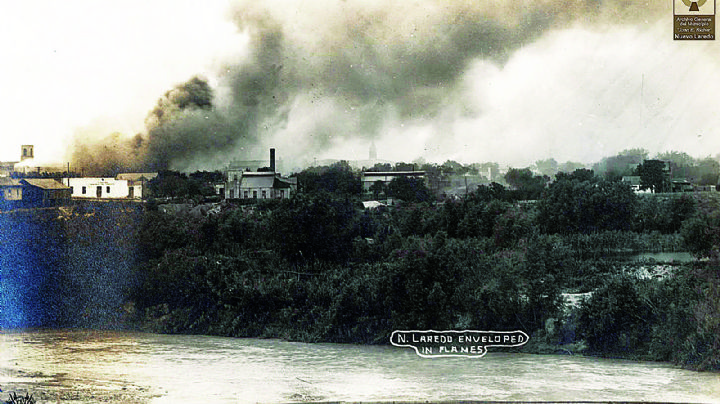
{"points": [[518, 177], [452, 166], [529, 186], [487, 193], [377, 188], [637, 152], [679, 158], [615, 317], [574, 206], [338, 178], [547, 167], [202, 182], [408, 189], [570, 166], [701, 233], [312, 227], [652, 175], [708, 170], [580, 174], [402, 166], [170, 184], [381, 167], [621, 164]]}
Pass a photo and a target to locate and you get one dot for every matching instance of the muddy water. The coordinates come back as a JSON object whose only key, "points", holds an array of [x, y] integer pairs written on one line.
{"points": [[90, 366]]}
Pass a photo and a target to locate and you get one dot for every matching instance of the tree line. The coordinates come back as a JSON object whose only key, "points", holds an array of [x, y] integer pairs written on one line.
{"points": [[319, 267]]}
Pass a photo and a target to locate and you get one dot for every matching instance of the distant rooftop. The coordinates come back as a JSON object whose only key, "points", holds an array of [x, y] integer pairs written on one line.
{"points": [[45, 183], [136, 176]]}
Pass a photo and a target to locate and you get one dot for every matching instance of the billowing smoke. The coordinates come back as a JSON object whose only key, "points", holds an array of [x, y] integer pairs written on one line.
{"points": [[183, 125], [320, 75], [333, 72]]}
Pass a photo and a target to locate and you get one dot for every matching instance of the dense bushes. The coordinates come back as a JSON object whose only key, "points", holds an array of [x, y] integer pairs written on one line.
{"points": [[319, 267], [615, 319], [426, 283], [571, 206], [664, 215], [672, 319], [701, 233]]}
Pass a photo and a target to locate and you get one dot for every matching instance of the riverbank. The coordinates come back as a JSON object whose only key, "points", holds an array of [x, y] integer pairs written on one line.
{"points": [[637, 310], [53, 387]]}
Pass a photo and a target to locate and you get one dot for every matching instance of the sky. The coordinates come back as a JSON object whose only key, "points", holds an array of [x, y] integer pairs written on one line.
{"points": [[472, 81], [72, 65]]}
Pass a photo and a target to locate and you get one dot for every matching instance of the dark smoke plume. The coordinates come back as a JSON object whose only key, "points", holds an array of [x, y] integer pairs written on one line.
{"points": [[324, 72], [182, 125]]}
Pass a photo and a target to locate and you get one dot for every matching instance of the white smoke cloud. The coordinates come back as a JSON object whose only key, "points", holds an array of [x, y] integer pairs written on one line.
{"points": [[586, 82], [576, 94]]}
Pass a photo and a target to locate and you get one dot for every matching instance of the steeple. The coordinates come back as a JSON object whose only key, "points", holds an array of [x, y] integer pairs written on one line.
{"points": [[27, 152]]}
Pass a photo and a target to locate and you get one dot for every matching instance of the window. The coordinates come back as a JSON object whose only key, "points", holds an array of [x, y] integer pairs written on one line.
{"points": [[254, 194], [282, 193], [245, 195], [107, 189], [84, 190], [72, 190], [232, 193], [264, 194]]}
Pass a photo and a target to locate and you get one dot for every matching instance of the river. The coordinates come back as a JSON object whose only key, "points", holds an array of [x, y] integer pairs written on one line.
{"points": [[79, 366]]}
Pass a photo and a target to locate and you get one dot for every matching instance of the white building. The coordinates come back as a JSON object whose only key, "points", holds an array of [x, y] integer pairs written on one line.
{"points": [[124, 186], [258, 185], [243, 184], [137, 182], [99, 188]]}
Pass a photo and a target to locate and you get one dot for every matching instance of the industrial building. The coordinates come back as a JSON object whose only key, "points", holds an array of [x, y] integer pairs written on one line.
{"points": [[244, 184]]}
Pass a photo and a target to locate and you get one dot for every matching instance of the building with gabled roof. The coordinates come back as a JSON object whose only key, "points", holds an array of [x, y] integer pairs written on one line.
{"points": [[44, 192], [11, 191], [260, 185], [124, 186], [244, 184], [136, 177]]}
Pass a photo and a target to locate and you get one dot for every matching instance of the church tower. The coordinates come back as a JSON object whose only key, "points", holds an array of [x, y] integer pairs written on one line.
{"points": [[27, 152]]}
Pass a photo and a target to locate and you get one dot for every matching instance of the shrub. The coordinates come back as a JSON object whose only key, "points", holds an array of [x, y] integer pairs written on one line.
{"points": [[615, 318]]}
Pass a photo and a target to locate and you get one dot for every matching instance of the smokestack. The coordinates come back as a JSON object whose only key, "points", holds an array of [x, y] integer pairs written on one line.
{"points": [[272, 160]]}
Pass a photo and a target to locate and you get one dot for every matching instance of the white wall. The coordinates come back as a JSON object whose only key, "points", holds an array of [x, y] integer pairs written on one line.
{"points": [[109, 188]]}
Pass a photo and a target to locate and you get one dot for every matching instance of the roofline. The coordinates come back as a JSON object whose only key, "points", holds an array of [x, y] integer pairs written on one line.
{"points": [[260, 173]]}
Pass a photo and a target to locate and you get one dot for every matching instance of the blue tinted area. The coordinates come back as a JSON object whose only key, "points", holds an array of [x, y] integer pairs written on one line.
{"points": [[30, 256], [11, 305], [65, 270]]}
